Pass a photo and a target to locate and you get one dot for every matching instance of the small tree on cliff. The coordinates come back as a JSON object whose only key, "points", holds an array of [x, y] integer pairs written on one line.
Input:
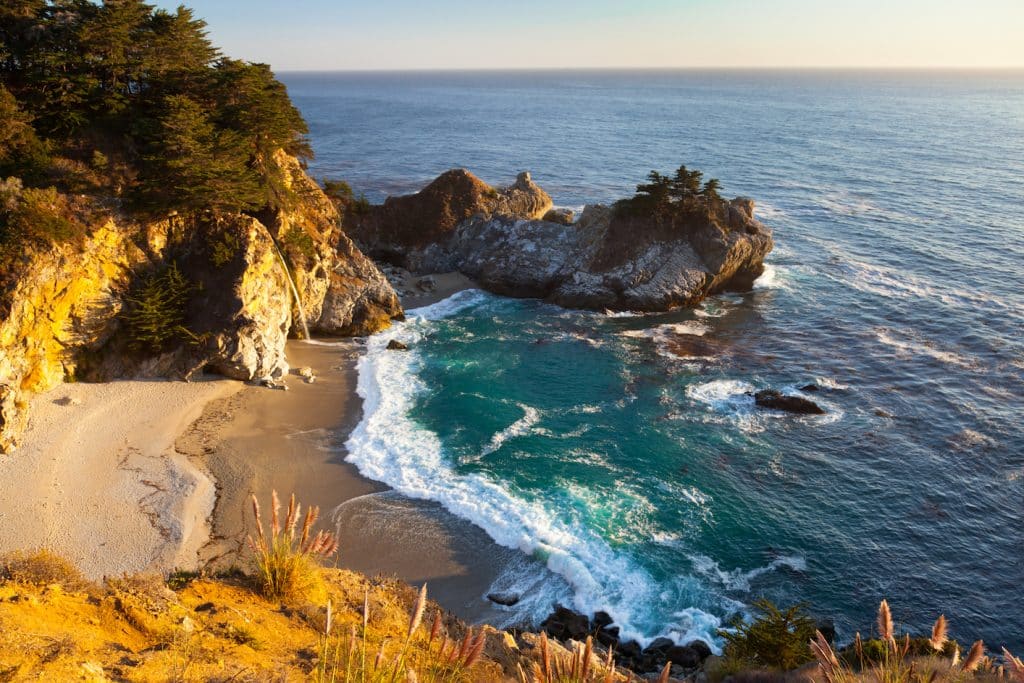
{"points": [[710, 192]]}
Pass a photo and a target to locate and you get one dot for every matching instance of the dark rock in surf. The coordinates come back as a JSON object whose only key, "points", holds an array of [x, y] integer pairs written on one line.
{"points": [[566, 624], [684, 656], [602, 620], [506, 599], [395, 345], [659, 645], [775, 400], [701, 648], [810, 387]]}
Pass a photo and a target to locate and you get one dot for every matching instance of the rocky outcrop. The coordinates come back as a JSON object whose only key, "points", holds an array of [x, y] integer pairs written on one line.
{"points": [[343, 293], [776, 400], [403, 225], [603, 260], [66, 308]]}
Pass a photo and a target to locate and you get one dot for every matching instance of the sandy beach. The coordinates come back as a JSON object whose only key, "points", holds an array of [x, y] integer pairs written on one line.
{"points": [[99, 482], [132, 476]]}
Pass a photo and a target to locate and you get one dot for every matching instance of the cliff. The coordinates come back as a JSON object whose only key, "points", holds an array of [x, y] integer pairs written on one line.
{"points": [[512, 244], [172, 297]]}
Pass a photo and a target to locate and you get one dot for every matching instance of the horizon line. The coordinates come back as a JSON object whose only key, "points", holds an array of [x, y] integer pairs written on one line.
{"points": [[485, 69]]}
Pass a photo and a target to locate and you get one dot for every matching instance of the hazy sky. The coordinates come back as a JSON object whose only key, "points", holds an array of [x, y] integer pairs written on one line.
{"points": [[423, 34]]}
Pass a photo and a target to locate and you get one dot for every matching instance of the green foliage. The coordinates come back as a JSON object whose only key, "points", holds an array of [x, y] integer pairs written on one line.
{"points": [[40, 216], [299, 240], [21, 150], [338, 191], [155, 316], [223, 248], [194, 165], [679, 197], [775, 639], [99, 160], [190, 130]]}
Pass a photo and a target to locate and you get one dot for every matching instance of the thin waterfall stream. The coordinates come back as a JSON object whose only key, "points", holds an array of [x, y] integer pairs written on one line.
{"points": [[291, 283]]}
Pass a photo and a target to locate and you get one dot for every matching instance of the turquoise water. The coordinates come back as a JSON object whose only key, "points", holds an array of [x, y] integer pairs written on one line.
{"points": [[622, 453]]}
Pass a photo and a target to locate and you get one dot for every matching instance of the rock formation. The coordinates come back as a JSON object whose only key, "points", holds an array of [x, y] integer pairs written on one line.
{"points": [[66, 306], [510, 244]]}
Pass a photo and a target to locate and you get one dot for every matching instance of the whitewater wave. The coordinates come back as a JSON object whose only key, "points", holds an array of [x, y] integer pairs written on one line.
{"points": [[661, 332], [773, 277], [908, 347], [896, 284], [521, 427], [390, 447], [738, 579], [733, 401]]}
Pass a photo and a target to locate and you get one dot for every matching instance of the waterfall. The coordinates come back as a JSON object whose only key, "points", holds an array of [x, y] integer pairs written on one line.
{"points": [[291, 282]]}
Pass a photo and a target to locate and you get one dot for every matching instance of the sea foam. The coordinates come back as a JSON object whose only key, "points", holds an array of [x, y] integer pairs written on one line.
{"points": [[390, 447]]}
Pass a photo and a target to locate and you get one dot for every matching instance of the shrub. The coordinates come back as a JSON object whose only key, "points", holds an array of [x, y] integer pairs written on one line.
{"points": [[40, 215], [299, 240], [155, 316], [41, 568], [339, 191], [775, 639], [223, 248], [285, 563]]}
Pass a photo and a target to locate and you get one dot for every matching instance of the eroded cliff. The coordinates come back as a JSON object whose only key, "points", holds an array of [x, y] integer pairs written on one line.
{"points": [[173, 297]]}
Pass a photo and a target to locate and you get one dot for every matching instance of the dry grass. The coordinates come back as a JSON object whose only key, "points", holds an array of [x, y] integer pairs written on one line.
{"points": [[430, 657], [897, 664], [578, 667], [286, 563], [42, 568]]}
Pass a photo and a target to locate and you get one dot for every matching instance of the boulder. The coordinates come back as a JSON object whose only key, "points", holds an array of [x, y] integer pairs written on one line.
{"points": [[775, 400], [659, 645], [506, 599], [701, 648], [395, 345], [566, 624], [410, 222], [560, 216], [684, 656]]}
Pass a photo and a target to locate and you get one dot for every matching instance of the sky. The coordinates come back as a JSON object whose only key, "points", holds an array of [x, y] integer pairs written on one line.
{"points": [[479, 34]]}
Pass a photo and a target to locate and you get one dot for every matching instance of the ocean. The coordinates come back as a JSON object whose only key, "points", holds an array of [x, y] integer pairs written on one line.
{"points": [[622, 453]]}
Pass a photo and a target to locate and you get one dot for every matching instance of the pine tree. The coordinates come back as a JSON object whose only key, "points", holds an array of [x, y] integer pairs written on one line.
{"points": [[710, 192], [22, 153], [194, 166]]}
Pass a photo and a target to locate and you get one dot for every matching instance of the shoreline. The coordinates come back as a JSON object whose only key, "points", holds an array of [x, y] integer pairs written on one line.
{"points": [[169, 469]]}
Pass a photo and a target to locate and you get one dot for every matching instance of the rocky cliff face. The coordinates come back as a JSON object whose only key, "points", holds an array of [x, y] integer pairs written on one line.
{"points": [[603, 260], [66, 313]]}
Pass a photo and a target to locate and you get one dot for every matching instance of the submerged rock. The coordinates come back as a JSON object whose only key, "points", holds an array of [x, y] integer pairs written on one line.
{"points": [[775, 400], [507, 241], [506, 599]]}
